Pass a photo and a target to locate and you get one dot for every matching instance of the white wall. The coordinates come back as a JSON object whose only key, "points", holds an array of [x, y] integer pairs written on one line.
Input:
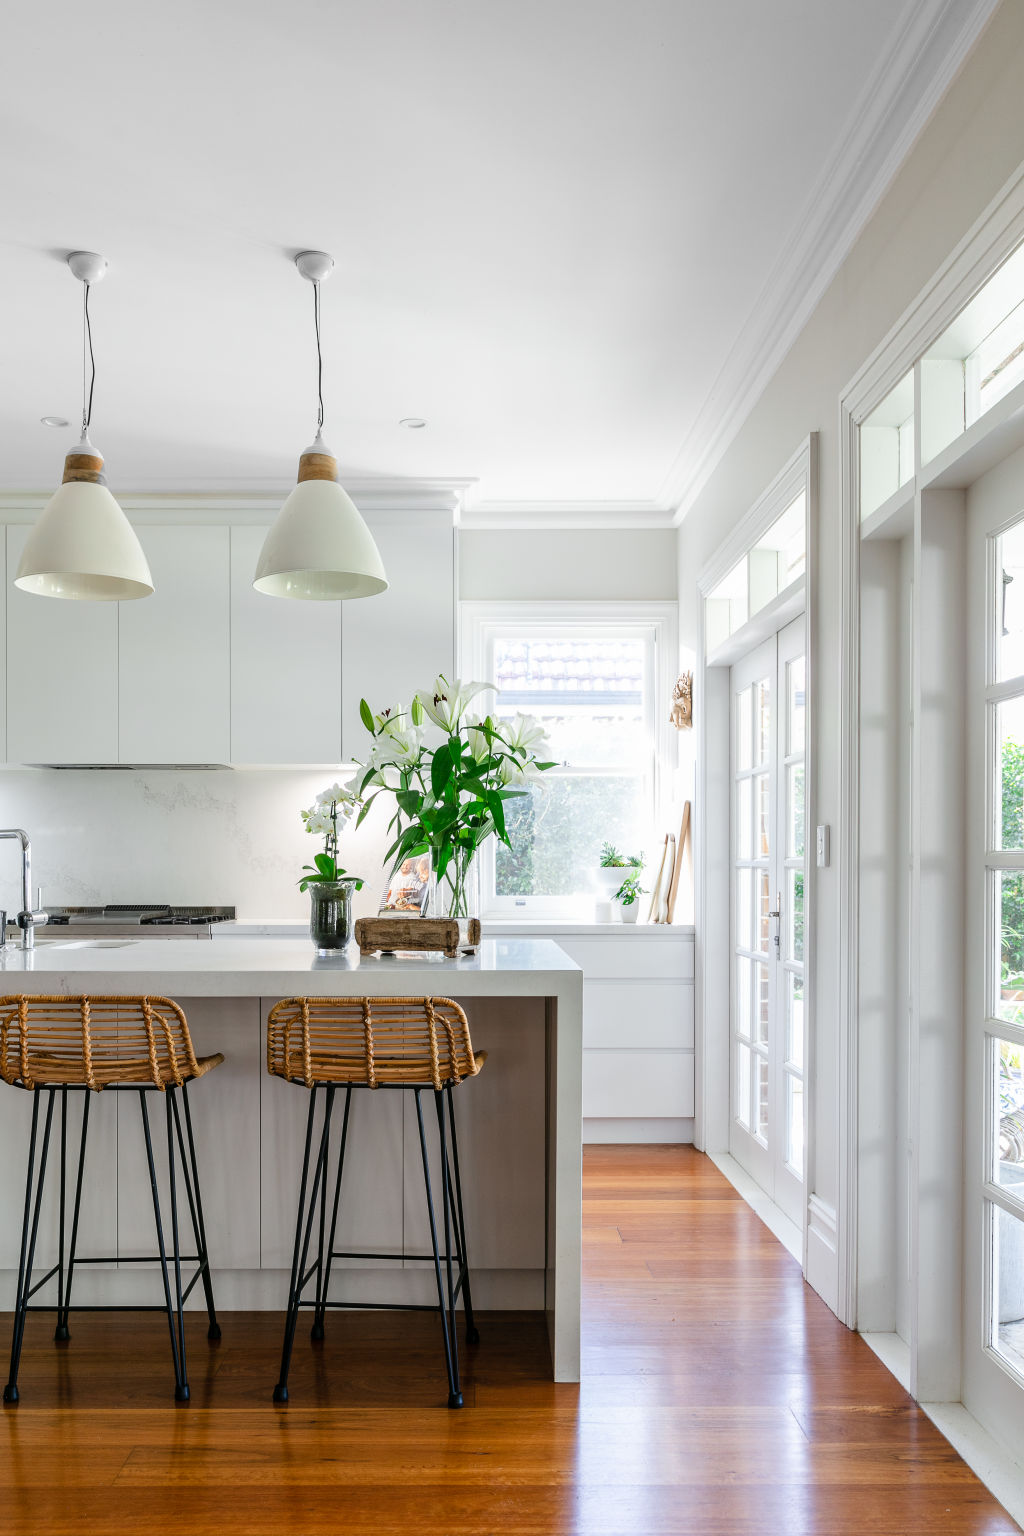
{"points": [[969, 149], [228, 838], [568, 563]]}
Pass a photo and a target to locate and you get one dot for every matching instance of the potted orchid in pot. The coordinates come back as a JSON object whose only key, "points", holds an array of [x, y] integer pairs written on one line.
{"points": [[451, 772], [330, 887]]}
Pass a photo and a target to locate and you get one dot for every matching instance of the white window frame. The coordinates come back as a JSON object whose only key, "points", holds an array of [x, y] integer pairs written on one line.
{"points": [[479, 621]]}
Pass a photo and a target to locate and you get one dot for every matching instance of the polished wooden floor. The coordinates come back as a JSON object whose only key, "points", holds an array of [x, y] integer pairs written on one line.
{"points": [[719, 1396]]}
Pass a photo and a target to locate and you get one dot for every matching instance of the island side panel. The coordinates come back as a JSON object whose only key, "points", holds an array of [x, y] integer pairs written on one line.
{"points": [[500, 1122], [564, 1018]]}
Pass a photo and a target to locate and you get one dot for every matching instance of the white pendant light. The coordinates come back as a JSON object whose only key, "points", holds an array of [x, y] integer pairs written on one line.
{"points": [[319, 548], [82, 545]]}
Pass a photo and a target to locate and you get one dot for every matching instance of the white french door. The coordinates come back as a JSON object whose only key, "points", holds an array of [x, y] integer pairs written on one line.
{"points": [[993, 1326], [766, 1130]]}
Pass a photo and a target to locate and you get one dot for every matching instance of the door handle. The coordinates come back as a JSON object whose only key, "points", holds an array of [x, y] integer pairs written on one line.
{"points": [[776, 913]]}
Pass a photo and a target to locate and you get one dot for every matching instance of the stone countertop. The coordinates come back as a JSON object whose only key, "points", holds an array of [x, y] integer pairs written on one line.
{"points": [[250, 967]]}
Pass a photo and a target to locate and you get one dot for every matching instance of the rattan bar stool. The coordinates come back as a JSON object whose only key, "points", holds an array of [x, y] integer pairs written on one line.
{"points": [[53, 1046], [409, 1043]]}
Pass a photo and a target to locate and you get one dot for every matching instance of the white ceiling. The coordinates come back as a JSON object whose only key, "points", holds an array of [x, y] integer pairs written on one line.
{"points": [[555, 224]]}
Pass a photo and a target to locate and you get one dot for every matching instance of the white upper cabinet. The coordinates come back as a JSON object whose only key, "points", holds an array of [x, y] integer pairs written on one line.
{"points": [[174, 671], [61, 674], [285, 669], [399, 641]]}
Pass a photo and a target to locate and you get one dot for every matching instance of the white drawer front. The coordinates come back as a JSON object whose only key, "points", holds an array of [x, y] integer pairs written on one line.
{"points": [[649, 1014], [626, 954], [637, 1084]]}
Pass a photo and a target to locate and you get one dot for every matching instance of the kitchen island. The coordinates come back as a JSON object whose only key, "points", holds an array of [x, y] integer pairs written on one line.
{"points": [[520, 1128]]}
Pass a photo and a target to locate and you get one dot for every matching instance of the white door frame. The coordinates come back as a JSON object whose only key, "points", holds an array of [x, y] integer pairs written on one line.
{"points": [[713, 962], [990, 240]]}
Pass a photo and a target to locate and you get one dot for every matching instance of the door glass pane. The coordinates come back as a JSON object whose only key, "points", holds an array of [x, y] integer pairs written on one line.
{"points": [[1008, 1287], [1010, 772], [795, 1021], [744, 993], [743, 1085], [795, 1124], [744, 819], [763, 792], [795, 811], [744, 758], [763, 980], [795, 910], [796, 672], [763, 719], [762, 1098], [1008, 1101], [1010, 980], [1010, 604], [764, 903], [744, 908]]}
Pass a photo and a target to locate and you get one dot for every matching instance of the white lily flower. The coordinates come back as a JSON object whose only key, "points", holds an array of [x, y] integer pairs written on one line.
{"points": [[525, 733], [447, 704]]}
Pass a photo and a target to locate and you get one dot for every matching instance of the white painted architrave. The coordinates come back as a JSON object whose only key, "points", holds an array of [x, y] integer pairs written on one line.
{"points": [[993, 236], [712, 960]]}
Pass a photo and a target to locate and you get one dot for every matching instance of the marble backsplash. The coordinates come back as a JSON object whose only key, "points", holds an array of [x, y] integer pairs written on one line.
{"points": [[229, 837]]}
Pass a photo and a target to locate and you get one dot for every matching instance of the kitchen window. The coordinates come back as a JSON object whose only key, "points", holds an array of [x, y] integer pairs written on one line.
{"points": [[599, 678]]}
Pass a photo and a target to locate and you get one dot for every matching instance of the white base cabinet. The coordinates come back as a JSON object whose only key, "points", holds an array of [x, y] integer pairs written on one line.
{"points": [[638, 1027]]}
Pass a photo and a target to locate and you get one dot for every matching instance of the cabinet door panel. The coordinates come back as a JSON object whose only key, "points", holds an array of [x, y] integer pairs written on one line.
{"points": [[636, 1084], [61, 675], [285, 669], [638, 1015], [174, 650], [399, 641]]}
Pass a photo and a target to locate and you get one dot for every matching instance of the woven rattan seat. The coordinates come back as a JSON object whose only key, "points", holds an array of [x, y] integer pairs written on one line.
{"points": [[94, 1042], [372, 1041]]}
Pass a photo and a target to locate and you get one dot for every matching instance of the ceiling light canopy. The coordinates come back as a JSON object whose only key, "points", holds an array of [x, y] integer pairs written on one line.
{"points": [[319, 548], [82, 545]]}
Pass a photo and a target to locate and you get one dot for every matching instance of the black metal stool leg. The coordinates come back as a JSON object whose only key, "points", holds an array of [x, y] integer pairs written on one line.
{"points": [[195, 1205], [472, 1333], [62, 1332], [170, 1110], [454, 1395], [301, 1251], [29, 1232], [448, 1203], [180, 1382], [321, 1315], [58, 1334]]}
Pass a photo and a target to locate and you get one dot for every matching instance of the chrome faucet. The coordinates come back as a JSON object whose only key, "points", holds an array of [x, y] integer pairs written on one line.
{"points": [[27, 919]]}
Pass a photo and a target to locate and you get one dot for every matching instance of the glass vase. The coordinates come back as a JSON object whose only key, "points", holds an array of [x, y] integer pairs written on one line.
{"points": [[456, 893], [330, 914]]}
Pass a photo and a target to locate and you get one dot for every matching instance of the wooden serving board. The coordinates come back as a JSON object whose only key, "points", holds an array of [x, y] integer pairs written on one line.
{"points": [[385, 934]]}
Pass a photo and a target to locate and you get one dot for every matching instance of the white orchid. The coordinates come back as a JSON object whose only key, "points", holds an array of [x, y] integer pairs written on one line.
{"points": [[317, 820], [327, 817], [447, 704]]}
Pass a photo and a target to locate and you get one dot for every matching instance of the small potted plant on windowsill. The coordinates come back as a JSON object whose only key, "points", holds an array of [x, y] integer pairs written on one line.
{"points": [[610, 867], [628, 896]]}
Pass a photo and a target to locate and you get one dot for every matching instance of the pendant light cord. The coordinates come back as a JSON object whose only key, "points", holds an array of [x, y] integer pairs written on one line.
{"points": [[88, 365], [319, 360]]}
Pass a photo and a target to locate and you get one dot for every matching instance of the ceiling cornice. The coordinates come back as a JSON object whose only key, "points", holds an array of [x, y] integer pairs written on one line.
{"points": [[565, 514], [935, 38], [369, 494]]}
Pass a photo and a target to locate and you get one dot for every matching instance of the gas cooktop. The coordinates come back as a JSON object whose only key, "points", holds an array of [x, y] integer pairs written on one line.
{"points": [[145, 914]]}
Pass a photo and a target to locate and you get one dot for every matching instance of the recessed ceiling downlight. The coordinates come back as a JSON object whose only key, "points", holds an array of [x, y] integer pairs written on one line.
{"points": [[414, 423], [54, 421]]}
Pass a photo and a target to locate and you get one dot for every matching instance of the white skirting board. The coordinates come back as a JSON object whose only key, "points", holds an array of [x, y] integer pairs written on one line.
{"points": [[266, 1290], [616, 1131], [990, 1462]]}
